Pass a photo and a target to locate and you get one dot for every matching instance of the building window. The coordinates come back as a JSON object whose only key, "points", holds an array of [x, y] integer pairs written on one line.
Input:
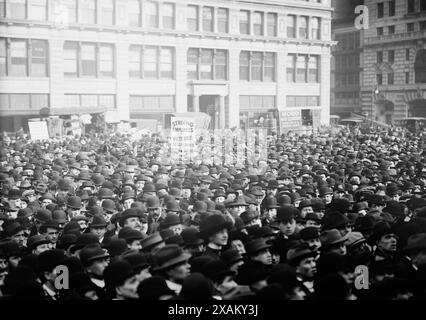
{"points": [[380, 10], [258, 23], [222, 20], [420, 66], [39, 58], [208, 19], [19, 58], [244, 22], [206, 68], [379, 79], [150, 62], [18, 9], [221, 63], [3, 57], [422, 5], [38, 10], [88, 59], [2, 8], [106, 61], [256, 66], [391, 56], [134, 13], [76, 101], [151, 103], [301, 68], [315, 30], [71, 59], [192, 18], [391, 29], [151, 14], [407, 54], [390, 78], [391, 8], [411, 6], [410, 27], [272, 24], [422, 25], [107, 12], [166, 63], [380, 31], [135, 61], [70, 7], [379, 57], [291, 26], [302, 101], [245, 66], [269, 67], [313, 69], [303, 27], [291, 68], [20, 101], [192, 64], [407, 77], [168, 13], [88, 11]]}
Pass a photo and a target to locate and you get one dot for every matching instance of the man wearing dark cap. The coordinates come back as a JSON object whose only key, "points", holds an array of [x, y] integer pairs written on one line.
{"points": [[48, 262], [286, 217], [303, 259], [121, 281], [94, 260]]}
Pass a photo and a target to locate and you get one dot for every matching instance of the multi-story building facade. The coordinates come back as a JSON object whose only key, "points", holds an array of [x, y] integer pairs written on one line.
{"points": [[347, 60], [394, 69], [146, 59]]}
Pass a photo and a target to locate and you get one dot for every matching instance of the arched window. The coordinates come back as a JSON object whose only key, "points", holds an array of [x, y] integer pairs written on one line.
{"points": [[420, 66]]}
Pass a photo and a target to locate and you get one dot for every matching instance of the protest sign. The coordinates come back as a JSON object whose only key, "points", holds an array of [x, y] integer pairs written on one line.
{"points": [[38, 130]]}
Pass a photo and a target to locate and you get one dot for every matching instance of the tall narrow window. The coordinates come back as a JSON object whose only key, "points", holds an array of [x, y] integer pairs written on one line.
{"points": [[19, 57], [150, 62], [391, 8], [272, 24], [407, 54], [168, 13], [244, 22], [379, 56], [222, 20], [135, 59], [71, 8], [192, 64], [3, 56], [301, 68], [380, 31], [107, 12], [379, 79], [18, 9], [71, 59], [391, 29], [291, 26], [106, 62], [315, 29], [303, 27], [411, 5], [166, 63], [390, 78], [290, 66], [88, 59], [208, 19], [2, 8], [206, 67], [258, 23], [134, 13], [391, 56], [38, 10], [151, 14], [192, 18], [269, 67], [422, 5], [244, 65], [88, 11], [313, 69], [220, 65], [39, 58], [410, 27], [407, 77], [380, 10], [256, 66]]}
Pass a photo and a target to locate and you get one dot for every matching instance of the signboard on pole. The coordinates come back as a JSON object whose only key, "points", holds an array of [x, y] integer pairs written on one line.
{"points": [[38, 130], [183, 141], [290, 119]]}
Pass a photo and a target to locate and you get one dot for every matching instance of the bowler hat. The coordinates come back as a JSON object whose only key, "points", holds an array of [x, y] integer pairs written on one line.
{"points": [[74, 202], [116, 246], [151, 241], [169, 256], [296, 254], [416, 242], [36, 240], [60, 216], [50, 259], [153, 202], [331, 237], [309, 233], [98, 222], [249, 215], [334, 220], [137, 260], [129, 213], [256, 245], [231, 256], [153, 288], [287, 213], [190, 237], [200, 207], [270, 203], [91, 253], [82, 241], [172, 219], [109, 206], [216, 270], [173, 206], [130, 234], [117, 272]]}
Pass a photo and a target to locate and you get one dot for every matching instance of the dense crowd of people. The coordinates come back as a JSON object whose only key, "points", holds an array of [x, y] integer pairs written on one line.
{"points": [[106, 217]]}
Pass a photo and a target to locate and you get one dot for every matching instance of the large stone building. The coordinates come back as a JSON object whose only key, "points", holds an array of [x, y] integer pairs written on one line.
{"points": [[395, 60], [146, 59]]}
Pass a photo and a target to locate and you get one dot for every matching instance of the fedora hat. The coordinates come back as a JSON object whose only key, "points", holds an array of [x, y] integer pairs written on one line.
{"points": [[216, 270], [200, 207], [239, 201], [190, 237], [172, 219], [331, 237], [249, 215], [270, 203], [296, 254], [92, 253], [173, 206], [109, 206], [82, 241], [309, 233], [98, 222], [137, 260], [231, 256], [151, 241], [213, 224], [169, 256], [256, 245], [117, 272], [416, 242], [130, 234]]}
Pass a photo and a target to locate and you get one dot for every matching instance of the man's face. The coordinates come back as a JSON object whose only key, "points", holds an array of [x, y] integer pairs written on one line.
{"points": [[220, 238], [339, 249], [100, 232], [186, 193], [270, 214], [388, 242], [239, 246], [162, 193], [204, 185], [41, 248], [220, 199], [129, 289], [98, 267], [177, 229], [20, 238], [52, 234], [135, 245], [133, 222], [264, 256], [305, 211], [259, 199], [180, 272], [288, 227], [82, 224], [140, 185], [315, 244], [32, 197], [128, 203], [328, 198], [307, 267]]}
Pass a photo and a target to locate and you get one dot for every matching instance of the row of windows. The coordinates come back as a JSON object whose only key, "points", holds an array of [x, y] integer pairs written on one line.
{"points": [[347, 79], [23, 101], [414, 6], [152, 14], [164, 103], [411, 27], [380, 30], [302, 68], [151, 62], [407, 78], [348, 98], [391, 56], [303, 101], [381, 9], [347, 61], [257, 66], [348, 41], [90, 100], [257, 102], [207, 64]]}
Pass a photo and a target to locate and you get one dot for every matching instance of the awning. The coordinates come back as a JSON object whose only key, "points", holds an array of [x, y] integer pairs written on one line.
{"points": [[79, 110]]}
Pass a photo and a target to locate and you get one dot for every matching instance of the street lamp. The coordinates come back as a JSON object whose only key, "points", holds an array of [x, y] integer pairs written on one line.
{"points": [[374, 93]]}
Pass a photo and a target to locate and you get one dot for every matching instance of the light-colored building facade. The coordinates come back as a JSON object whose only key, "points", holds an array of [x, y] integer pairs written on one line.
{"points": [[395, 60], [235, 60]]}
